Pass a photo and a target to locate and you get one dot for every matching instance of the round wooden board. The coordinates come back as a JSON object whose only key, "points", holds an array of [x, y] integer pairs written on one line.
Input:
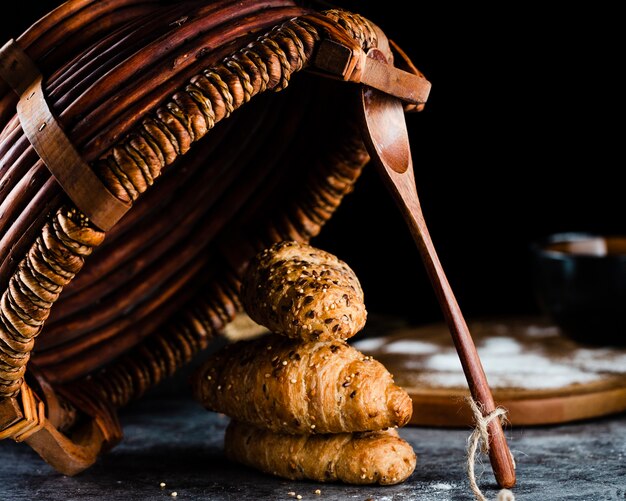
{"points": [[536, 373]]}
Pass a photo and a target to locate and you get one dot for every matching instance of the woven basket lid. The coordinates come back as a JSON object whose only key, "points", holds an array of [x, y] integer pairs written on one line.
{"points": [[175, 108]]}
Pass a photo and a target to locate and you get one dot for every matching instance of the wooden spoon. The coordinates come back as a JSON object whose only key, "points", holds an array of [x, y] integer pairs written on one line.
{"points": [[386, 137]]}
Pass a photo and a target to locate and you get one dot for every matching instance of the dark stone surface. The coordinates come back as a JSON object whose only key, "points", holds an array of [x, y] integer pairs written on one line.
{"points": [[173, 440]]}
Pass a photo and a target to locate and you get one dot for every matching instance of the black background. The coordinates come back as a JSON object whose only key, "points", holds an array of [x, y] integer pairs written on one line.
{"points": [[522, 137]]}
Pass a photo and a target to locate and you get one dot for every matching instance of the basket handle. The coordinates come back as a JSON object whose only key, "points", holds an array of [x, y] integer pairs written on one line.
{"points": [[24, 419]]}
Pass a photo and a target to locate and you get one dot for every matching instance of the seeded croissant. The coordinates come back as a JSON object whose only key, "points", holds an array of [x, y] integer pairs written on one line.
{"points": [[379, 457], [292, 387], [302, 292]]}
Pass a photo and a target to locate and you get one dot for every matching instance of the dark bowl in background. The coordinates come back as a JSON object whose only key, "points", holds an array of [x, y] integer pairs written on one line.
{"points": [[579, 281]]}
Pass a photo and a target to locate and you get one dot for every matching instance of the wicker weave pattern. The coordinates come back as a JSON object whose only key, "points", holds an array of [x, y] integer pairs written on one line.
{"points": [[51, 263], [267, 64], [191, 330], [131, 166], [359, 28]]}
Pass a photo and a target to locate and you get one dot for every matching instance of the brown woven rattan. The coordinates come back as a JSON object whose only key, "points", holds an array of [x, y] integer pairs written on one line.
{"points": [[176, 108]]}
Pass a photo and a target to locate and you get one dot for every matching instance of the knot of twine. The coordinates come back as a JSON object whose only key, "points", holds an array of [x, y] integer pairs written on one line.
{"points": [[480, 436]]}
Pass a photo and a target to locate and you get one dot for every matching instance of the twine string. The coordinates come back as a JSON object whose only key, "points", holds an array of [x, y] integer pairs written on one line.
{"points": [[480, 437]]}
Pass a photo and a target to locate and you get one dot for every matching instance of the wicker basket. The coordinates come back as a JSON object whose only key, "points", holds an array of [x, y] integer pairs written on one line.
{"points": [[133, 88]]}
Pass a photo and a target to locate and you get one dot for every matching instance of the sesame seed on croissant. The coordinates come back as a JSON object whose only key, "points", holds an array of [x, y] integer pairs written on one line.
{"points": [[303, 292], [379, 457], [293, 387]]}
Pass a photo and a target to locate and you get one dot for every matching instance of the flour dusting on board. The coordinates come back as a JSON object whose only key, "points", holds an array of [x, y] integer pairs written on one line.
{"points": [[411, 347], [370, 344], [534, 360]]}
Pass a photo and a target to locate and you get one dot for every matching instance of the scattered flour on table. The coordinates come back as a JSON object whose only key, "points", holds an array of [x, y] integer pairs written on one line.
{"points": [[507, 362], [442, 486]]}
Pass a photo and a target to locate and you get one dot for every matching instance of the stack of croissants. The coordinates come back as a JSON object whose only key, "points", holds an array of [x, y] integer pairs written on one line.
{"points": [[303, 403]]}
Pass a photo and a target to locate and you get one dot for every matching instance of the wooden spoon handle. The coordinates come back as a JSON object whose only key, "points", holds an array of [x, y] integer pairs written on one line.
{"points": [[387, 139], [405, 194]]}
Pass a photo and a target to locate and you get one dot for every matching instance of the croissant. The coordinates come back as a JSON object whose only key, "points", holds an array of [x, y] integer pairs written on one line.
{"points": [[302, 292], [379, 457], [293, 387]]}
